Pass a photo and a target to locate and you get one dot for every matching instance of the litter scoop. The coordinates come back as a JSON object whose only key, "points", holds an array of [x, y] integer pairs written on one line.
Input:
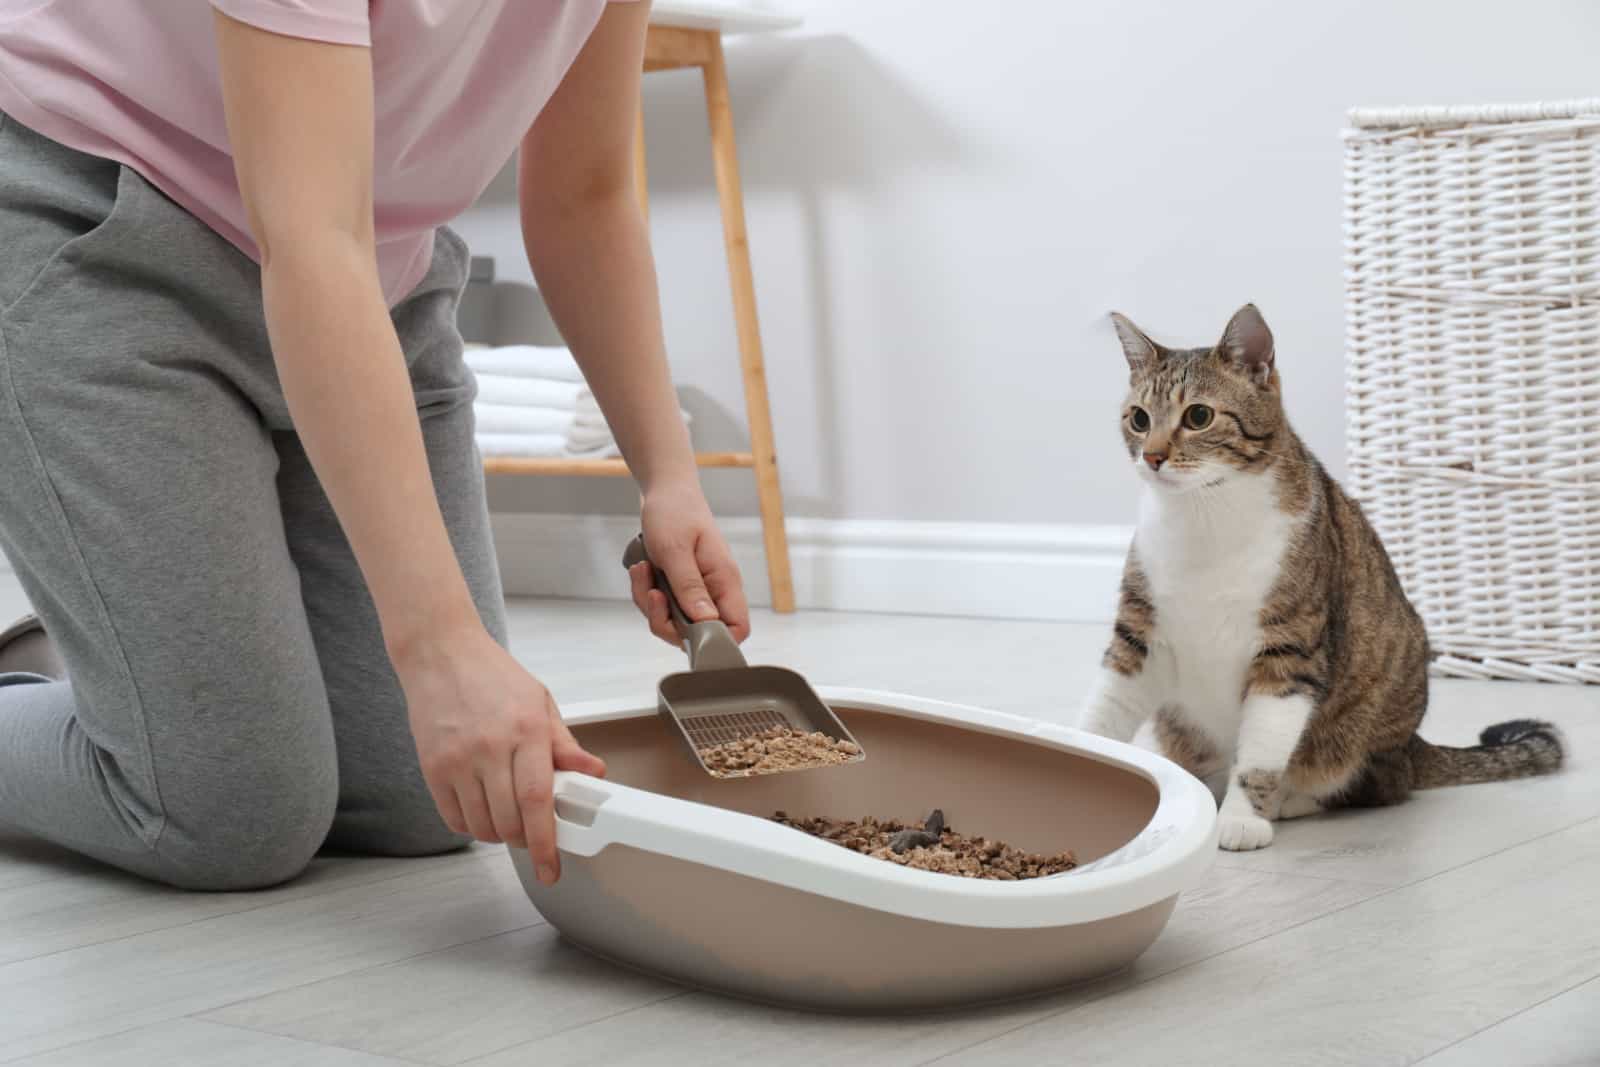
{"points": [[721, 698]]}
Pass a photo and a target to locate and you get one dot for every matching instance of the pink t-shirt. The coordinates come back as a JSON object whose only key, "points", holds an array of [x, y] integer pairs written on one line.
{"points": [[457, 84]]}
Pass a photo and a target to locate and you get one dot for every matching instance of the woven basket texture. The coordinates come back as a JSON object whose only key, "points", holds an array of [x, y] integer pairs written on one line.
{"points": [[1472, 256]]}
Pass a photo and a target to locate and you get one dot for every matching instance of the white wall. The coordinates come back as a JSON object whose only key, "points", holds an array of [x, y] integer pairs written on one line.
{"points": [[946, 198]]}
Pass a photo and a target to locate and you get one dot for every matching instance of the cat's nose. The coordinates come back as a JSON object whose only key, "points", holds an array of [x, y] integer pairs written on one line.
{"points": [[1155, 459]]}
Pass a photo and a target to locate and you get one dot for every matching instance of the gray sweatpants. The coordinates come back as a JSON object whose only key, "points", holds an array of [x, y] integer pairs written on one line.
{"points": [[230, 707]]}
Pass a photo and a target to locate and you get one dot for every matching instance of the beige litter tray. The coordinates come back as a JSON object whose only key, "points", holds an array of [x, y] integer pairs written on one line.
{"points": [[670, 871]]}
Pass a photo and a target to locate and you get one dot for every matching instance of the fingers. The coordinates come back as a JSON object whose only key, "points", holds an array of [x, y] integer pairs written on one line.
{"points": [[531, 770], [484, 729], [652, 604], [683, 573], [660, 617], [726, 586], [444, 798], [475, 809], [567, 754], [504, 810], [639, 585]]}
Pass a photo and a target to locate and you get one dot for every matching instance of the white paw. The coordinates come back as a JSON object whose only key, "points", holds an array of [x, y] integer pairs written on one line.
{"points": [[1242, 833]]}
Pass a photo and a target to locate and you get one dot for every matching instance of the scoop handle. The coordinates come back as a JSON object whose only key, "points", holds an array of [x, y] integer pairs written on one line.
{"points": [[710, 645], [636, 554]]}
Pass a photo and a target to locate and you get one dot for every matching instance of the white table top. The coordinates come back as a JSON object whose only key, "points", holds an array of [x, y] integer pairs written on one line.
{"points": [[725, 16]]}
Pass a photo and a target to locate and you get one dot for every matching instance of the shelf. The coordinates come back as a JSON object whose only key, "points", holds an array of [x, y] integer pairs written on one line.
{"points": [[720, 16], [598, 468]]}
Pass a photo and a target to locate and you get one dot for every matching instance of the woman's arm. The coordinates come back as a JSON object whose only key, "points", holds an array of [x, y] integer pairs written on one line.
{"points": [[300, 122], [302, 146], [590, 253]]}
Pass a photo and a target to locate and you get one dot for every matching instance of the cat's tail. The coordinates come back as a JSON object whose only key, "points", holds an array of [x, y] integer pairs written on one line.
{"points": [[1520, 748]]}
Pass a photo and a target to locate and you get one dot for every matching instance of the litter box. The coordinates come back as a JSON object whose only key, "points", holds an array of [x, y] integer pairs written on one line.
{"points": [[670, 871]]}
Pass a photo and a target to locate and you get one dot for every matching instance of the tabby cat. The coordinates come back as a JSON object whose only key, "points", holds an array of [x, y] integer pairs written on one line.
{"points": [[1261, 624]]}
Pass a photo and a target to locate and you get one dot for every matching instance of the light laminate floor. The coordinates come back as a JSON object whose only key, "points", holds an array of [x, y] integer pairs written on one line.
{"points": [[1461, 929]]}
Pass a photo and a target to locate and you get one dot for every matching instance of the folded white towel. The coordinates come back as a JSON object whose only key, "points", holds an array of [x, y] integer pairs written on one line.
{"points": [[522, 444], [594, 418], [518, 418], [541, 417], [526, 361], [579, 440], [606, 449], [529, 392], [590, 430]]}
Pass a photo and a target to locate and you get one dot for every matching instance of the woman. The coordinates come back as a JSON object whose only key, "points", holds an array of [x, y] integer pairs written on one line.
{"points": [[237, 472]]}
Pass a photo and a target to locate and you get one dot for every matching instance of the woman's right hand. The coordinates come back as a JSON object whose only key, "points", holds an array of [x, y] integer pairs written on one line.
{"points": [[489, 737]]}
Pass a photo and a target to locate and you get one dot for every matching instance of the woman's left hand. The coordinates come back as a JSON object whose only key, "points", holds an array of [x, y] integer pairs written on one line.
{"points": [[684, 541]]}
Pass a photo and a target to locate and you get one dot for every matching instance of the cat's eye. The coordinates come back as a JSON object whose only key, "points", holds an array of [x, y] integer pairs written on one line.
{"points": [[1139, 419], [1198, 417]]}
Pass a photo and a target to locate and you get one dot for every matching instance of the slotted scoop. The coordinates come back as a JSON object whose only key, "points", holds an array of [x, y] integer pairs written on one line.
{"points": [[721, 698]]}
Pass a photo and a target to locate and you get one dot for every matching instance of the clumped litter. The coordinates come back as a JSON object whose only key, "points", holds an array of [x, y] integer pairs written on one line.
{"points": [[778, 748], [933, 846]]}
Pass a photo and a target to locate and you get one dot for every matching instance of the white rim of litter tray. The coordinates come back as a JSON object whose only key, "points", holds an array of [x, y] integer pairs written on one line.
{"points": [[1169, 855]]}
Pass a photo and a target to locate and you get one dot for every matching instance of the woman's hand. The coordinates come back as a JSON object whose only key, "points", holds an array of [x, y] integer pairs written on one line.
{"points": [[490, 738], [684, 542]]}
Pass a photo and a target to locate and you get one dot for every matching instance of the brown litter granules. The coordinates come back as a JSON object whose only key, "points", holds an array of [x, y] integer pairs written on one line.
{"points": [[933, 847], [778, 748]]}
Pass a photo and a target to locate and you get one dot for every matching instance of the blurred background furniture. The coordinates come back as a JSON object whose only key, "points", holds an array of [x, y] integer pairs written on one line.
{"points": [[685, 34]]}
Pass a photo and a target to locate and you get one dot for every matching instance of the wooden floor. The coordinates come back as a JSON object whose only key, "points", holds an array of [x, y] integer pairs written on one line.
{"points": [[1462, 928]]}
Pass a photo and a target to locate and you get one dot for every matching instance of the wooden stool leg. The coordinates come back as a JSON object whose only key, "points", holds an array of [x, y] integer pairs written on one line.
{"points": [[641, 184], [757, 407]]}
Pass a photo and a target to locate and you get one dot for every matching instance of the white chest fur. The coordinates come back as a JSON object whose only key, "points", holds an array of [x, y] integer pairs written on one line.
{"points": [[1211, 559]]}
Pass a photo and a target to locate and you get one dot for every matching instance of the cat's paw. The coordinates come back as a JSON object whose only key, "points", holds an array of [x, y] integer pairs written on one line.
{"points": [[1243, 833]]}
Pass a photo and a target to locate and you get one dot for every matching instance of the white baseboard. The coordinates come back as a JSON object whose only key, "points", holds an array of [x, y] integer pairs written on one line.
{"points": [[1066, 573], [985, 570]]}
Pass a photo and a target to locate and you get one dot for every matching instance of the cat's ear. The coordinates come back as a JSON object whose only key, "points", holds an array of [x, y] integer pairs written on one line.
{"points": [[1248, 344], [1139, 350]]}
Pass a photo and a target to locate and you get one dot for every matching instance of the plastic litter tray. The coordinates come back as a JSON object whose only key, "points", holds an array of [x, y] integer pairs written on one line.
{"points": [[684, 876]]}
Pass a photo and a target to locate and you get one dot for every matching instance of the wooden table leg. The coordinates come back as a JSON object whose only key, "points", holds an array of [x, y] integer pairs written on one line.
{"points": [[757, 406]]}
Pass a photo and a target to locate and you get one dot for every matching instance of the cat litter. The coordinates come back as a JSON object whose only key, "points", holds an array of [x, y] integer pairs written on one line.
{"points": [[778, 748], [933, 846]]}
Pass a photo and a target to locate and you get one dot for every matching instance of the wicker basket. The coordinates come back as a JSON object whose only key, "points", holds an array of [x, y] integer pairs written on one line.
{"points": [[1473, 375]]}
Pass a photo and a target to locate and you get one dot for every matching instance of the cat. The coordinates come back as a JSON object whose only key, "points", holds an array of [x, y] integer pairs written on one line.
{"points": [[1261, 625]]}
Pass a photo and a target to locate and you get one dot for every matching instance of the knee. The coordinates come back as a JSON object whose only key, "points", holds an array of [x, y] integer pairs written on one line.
{"points": [[431, 838], [409, 826], [253, 830]]}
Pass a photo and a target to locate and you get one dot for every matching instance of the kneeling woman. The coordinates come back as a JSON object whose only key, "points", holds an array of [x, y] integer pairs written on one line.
{"points": [[237, 472]]}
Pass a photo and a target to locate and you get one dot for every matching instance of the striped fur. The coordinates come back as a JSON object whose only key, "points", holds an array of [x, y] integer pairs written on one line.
{"points": [[1259, 613]]}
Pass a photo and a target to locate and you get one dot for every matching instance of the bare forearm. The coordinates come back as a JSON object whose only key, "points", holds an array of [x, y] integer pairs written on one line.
{"points": [[345, 380], [300, 124], [594, 268]]}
